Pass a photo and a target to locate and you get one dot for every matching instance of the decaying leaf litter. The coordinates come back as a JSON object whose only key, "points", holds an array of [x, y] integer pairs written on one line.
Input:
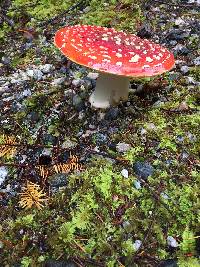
{"points": [[141, 159]]}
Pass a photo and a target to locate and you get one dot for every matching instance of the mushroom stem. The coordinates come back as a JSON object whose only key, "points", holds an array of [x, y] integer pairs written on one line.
{"points": [[110, 89]]}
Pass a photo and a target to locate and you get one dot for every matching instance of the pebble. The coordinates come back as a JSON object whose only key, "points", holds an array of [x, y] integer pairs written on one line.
{"points": [[58, 180], [54, 263], [150, 126], [76, 82], [122, 147], [58, 81], [112, 114], [168, 263], [5, 60], [93, 75], [137, 244], [46, 68], [100, 138], [69, 144], [179, 22], [1, 244], [87, 83], [181, 50], [137, 184], [171, 241], [3, 174], [185, 69], [124, 173], [197, 61], [183, 106], [143, 131], [143, 169], [184, 155], [78, 103], [35, 74]]}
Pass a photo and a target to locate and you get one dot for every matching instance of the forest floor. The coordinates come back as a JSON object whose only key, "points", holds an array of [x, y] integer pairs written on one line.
{"points": [[132, 195]]}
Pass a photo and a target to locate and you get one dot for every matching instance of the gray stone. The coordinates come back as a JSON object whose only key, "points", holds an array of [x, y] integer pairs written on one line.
{"points": [[69, 144], [124, 173], [58, 81], [54, 263], [93, 75], [179, 22], [123, 147], [35, 74], [100, 138], [3, 174], [78, 103], [171, 241], [137, 184], [197, 61], [143, 169], [77, 82], [137, 244], [185, 69], [58, 180], [46, 68], [112, 114]]}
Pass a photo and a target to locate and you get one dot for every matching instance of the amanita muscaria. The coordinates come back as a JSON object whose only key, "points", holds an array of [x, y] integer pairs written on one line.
{"points": [[116, 55]]}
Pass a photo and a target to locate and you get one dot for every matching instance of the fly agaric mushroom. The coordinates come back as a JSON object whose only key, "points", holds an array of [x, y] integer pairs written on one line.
{"points": [[116, 55]]}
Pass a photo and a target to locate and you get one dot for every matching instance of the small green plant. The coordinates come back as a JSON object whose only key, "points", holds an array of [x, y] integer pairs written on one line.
{"points": [[26, 261]]}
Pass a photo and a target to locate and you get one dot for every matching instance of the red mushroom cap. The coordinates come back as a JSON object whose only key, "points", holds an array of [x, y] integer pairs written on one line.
{"points": [[111, 51]]}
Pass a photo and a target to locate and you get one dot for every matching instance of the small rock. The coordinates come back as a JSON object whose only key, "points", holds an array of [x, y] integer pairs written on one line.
{"points": [[3, 174], [137, 184], [171, 241], [46, 68], [126, 224], [58, 180], [123, 147], [5, 60], [54, 263], [190, 80], [151, 126], [76, 82], [145, 31], [58, 81], [69, 144], [191, 137], [137, 244], [184, 155], [185, 69], [143, 169], [180, 138], [165, 196], [197, 61], [183, 106], [179, 22], [35, 74], [1, 244], [100, 138], [26, 92], [143, 131], [112, 114], [158, 104], [87, 83], [168, 263], [124, 173], [78, 103], [177, 35], [93, 75], [87, 9], [181, 50]]}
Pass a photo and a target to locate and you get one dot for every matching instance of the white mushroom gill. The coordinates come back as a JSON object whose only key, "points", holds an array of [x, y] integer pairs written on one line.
{"points": [[110, 89]]}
